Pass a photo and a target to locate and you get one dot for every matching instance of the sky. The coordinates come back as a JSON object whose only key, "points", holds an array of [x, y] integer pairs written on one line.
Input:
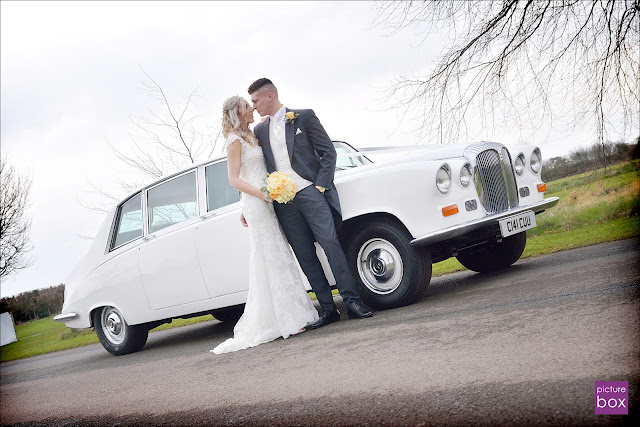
{"points": [[71, 80]]}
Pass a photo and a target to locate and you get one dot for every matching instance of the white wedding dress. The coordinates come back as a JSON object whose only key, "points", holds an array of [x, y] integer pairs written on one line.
{"points": [[277, 302]]}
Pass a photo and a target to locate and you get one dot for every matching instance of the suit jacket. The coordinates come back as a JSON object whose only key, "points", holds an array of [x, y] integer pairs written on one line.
{"points": [[311, 153]]}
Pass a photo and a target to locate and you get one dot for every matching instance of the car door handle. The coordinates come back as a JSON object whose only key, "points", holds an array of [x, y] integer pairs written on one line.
{"points": [[207, 216], [149, 237]]}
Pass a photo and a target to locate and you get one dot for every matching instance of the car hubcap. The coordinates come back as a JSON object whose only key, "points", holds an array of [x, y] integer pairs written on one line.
{"points": [[113, 325], [380, 266]]}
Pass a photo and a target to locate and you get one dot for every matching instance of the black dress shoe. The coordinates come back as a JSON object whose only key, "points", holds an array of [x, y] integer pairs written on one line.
{"points": [[326, 318], [356, 311]]}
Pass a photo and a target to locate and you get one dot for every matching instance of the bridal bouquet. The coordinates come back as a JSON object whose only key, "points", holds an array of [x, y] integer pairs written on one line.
{"points": [[280, 187]]}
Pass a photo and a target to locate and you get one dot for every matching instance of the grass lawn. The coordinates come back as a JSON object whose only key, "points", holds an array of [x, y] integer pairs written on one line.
{"points": [[594, 207], [46, 335]]}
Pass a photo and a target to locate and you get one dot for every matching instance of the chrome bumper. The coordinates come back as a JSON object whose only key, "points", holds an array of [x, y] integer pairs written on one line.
{"points": [[64, 317], [477, 224]]}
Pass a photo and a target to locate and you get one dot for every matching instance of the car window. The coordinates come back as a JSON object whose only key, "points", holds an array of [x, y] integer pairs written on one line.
{"points": [[172, 202], [129, 225], [219, 192], [344, 161]]}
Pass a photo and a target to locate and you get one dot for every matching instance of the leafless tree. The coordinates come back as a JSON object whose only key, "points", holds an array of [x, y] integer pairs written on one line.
{"points": [[516, 60], [15, 224], [164, 140]]}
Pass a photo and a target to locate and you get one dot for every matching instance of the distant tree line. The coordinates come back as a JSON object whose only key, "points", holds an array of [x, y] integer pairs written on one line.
{"points": [[34, 304], [589, 159]]}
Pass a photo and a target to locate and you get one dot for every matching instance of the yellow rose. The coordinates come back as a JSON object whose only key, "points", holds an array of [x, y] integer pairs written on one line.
{"points": [[290, 117]]}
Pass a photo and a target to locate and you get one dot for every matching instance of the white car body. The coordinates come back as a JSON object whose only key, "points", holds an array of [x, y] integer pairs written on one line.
{"points": [[201, 264]]}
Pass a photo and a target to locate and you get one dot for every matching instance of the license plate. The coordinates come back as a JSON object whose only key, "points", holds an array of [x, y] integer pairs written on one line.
{"points": [[517, 223]]}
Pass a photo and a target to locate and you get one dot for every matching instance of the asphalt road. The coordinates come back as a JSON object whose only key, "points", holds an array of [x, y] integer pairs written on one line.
{"points": [[520, 347]]}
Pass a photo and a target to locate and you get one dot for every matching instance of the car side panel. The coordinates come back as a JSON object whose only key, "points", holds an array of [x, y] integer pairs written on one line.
{"points": [[170, 270], [222, 245], [116, 283]]}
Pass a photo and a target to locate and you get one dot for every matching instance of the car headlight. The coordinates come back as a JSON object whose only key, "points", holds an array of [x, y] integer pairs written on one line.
{"points": [[465, 175], [519, 164], [443, 179], [536, 161]]}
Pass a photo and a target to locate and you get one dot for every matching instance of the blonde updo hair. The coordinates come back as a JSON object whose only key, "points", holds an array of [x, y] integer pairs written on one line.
{"points": [[231, 121]]}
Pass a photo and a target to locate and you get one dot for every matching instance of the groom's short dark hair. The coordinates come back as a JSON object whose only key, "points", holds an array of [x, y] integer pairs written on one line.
{"points": [[260, 83]]}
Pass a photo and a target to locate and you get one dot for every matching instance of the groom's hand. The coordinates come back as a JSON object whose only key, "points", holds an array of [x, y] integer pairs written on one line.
{"points": [[243, 221]]}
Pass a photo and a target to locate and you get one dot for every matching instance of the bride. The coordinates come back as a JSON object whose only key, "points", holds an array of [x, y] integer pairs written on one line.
{"points": [[277, 302]]}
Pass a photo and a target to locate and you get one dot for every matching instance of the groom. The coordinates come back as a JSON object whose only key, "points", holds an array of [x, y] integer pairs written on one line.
{"points": [[295, 142]]}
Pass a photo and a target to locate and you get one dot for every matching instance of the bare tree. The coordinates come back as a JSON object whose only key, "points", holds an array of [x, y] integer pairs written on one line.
{"points": [[515, 60], [15, 225], [166, 139]]}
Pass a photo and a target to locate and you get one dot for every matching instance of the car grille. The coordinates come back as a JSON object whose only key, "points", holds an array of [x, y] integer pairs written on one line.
{"points": [[493, 176]]}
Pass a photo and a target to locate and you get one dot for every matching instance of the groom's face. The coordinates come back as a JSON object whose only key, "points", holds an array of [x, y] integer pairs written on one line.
{"points": [[263, 102]]}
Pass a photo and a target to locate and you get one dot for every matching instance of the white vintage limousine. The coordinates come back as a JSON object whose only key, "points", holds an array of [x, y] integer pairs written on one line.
{"points": [[176, 248]]}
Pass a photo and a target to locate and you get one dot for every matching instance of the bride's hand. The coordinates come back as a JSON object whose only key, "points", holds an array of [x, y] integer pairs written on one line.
{"points": [[267, 198]]}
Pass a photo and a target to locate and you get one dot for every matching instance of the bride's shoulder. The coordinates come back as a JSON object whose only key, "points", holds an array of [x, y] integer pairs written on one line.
{"points": [[233, 137]]}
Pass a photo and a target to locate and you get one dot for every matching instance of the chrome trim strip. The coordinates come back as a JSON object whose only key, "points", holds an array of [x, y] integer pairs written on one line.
{"points": [[476, 224], [64, 317]]}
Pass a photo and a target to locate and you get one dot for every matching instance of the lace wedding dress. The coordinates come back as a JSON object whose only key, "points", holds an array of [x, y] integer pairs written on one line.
{"points": [[277, 302]]}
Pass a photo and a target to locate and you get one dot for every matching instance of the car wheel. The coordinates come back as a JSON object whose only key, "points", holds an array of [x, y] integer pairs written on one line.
{"points": [[496, 256], [228, 314], [115, 335], [388, 271]]}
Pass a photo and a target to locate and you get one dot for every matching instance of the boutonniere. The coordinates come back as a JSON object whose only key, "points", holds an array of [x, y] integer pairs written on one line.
{"points": [[290, 117]]}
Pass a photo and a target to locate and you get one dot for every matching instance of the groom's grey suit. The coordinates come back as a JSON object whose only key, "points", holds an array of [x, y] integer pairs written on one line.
{"points": [[311, 215]]}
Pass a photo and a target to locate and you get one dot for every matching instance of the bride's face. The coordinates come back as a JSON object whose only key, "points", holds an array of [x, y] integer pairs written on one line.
{"points": [[248, 115]]}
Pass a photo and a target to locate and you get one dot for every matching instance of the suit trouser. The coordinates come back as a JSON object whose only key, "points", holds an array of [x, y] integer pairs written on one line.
{"points": [[308, 219]]}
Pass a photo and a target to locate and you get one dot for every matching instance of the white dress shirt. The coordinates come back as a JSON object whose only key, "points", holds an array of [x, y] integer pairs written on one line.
{"points": [[279, 148]]}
